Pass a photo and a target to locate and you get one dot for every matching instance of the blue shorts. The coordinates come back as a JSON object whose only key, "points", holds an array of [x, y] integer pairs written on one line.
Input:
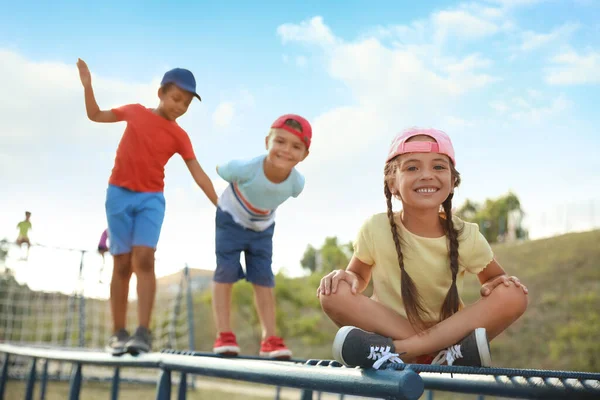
{"points": [[230, 240], [134, 218]]}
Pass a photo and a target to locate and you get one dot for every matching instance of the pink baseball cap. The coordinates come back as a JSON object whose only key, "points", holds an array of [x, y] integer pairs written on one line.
{"points": [[305, 135], [442, 144]]}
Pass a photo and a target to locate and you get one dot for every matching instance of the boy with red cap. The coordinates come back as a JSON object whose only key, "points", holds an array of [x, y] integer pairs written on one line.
{"points": [[245, 221]]}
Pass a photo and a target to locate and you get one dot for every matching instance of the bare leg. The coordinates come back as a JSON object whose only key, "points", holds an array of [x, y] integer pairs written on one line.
{"points": [[345, 308], [142, 260], [221, 304], [495, 313], [264, 298], [119, 290]]}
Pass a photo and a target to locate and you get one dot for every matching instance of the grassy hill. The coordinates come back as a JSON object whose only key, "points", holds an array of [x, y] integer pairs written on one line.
{"points": [[560, 330]]}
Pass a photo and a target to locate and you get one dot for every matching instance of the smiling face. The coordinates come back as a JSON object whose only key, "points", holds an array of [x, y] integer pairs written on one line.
{"points": [[285, 149], [422, 180], [174, 101]]}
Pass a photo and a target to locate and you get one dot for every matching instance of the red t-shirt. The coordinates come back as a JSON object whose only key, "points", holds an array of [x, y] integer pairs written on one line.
{"points": [[147, 145]]}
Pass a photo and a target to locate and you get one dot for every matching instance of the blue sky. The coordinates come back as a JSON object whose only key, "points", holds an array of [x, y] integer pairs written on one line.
{"points": [[515, 83]]}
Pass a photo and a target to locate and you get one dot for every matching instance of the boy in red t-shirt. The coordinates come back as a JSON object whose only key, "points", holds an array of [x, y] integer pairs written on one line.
{"points": [[135, 204]]}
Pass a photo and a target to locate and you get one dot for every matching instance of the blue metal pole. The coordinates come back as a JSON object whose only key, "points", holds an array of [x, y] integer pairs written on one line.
{"points": [[81, 303], [4, 378], [114, 393], [306, 395], [182, 387], [31, 380], [75, 385], [163, 391], [190, 314], [430, 395], [44, 380], [190, 308]]}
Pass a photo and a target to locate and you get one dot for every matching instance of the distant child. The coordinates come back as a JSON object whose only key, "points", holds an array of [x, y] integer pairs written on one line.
{"points": [[418, 259], [102, 249], [102, 245], [24, 227], [135, 204], [245, 222]]}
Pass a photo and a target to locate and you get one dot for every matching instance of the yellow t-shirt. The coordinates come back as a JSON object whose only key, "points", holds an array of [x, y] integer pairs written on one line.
{"points": [[426, 260], [24, 227]]}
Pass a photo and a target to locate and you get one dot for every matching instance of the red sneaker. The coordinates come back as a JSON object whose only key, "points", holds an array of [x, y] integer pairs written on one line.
{"points": [[226, 344], [273, 347]]}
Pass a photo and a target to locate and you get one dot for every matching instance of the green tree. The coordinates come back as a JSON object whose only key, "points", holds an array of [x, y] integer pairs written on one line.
{"points": [[330, 256], [309, 259], [492, 215]]}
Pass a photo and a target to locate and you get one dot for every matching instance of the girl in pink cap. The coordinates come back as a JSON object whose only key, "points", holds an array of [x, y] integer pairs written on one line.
{"points": [[418, 258]]}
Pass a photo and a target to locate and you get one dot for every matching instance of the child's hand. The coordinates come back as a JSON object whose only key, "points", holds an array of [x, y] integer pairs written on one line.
{"points": [[488, 287], [330, 282], [84, 73]]}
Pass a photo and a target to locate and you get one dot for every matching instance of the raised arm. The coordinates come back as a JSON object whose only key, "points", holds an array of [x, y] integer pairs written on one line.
{"points": [[91, 106], [202, 180]]}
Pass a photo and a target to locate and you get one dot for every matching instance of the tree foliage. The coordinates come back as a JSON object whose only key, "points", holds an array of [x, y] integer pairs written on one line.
{"points": [[493, 216], [332, 255]]}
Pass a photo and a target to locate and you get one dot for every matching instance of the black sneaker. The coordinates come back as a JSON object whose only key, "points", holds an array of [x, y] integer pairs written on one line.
{"points": [[472, 351], [140, 342], [354, 347], [117, 343]]}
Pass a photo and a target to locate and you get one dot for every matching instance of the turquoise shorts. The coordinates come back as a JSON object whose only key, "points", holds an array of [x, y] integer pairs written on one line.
{"points": [[134, 218]]}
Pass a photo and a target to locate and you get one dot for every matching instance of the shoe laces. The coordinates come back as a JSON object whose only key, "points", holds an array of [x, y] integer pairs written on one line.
{"points": [[449, 355], [383, 355]]}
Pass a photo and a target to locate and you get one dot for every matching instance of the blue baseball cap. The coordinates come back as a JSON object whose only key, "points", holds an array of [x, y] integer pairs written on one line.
{"points": [[183, 78]]}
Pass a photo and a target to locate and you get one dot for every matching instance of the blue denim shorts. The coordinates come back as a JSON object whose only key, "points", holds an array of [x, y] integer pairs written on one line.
{"points": [[231, 239], [134, 218]]}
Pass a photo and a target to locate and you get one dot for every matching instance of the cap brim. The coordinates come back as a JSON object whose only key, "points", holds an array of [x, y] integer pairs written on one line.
{"points": [[188, 89]]}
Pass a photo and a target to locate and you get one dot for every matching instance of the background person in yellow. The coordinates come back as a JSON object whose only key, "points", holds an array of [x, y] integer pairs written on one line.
{"points": [[24, 227]]}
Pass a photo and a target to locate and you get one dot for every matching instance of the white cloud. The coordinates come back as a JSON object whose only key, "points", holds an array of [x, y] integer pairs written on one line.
{"points": [[53, 90], [572, 68], [541, 113], [471, 62], [461, 24], [499, 106], [384, 80], [533, 40], [223, 114], [515, 3], [312, 31]]}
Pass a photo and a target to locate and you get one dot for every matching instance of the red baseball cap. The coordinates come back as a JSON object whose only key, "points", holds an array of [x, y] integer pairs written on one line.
{"points": [[305, 135]]}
